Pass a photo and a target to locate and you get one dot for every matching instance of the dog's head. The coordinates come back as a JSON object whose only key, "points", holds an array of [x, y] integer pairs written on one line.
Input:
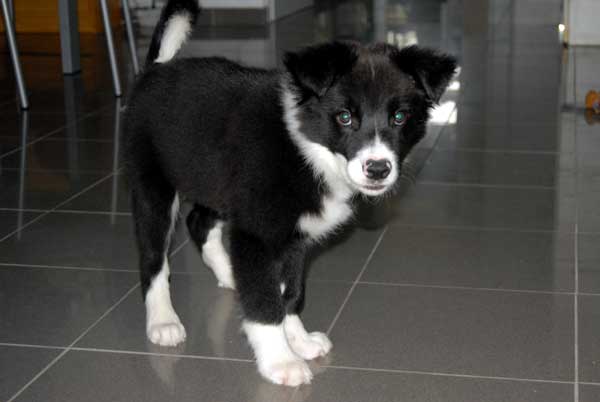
{"points": [[362, 109]]}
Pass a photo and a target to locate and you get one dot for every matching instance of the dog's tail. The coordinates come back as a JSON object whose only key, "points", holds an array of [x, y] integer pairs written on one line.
{"points": [[175, 24]]}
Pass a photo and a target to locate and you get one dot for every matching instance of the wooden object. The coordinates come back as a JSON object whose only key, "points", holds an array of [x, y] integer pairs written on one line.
{"points": [[41, 16]]}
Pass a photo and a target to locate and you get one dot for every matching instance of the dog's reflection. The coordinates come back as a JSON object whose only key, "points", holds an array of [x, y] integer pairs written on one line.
{"points": [[218, 317], [220, 314]]}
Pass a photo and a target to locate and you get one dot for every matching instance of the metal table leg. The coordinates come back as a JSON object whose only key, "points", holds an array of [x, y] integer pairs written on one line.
{"points": [[69, 36], [14, 53], [130, 36], [111, 48]]}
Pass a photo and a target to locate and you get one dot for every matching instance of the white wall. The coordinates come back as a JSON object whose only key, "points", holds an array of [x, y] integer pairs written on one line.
{"points": [[583, 22]]}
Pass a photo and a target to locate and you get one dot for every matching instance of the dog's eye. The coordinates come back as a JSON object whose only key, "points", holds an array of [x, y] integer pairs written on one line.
{"points": [[400, 118], [344, 118]]}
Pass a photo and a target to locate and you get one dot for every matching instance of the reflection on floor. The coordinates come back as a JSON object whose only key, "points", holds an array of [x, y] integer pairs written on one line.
{"points": [[479, 281]]}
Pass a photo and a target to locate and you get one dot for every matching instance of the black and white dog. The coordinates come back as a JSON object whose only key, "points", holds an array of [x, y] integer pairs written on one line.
{"points": [[278, 155]]}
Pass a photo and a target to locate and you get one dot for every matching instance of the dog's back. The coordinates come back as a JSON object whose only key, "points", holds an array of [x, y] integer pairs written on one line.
{"points": [[223, 122]]}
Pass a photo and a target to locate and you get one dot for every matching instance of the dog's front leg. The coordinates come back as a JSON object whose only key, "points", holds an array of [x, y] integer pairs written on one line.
{"points": [[257, 271], [306, 345]]}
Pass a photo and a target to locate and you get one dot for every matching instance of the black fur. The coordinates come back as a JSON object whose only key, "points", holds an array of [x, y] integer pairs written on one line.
{"points": [[213, 132]]}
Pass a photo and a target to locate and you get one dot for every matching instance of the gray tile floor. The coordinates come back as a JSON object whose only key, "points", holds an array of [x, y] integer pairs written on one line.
{"points": [[479, 281]]}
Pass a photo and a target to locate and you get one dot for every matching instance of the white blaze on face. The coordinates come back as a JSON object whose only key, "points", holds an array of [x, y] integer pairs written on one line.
{"points": [[376, 150]]}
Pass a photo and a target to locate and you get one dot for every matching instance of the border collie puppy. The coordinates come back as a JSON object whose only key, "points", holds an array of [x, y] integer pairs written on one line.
{"points": [[278, 155]]}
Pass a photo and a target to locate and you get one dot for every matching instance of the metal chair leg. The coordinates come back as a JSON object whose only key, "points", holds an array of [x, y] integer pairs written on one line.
{"points": [[130, 36], [14, 53], [111, 48]]}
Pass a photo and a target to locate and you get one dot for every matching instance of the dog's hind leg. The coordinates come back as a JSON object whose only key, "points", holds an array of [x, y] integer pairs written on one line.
{"points": [[206, 229], [155, 208]]}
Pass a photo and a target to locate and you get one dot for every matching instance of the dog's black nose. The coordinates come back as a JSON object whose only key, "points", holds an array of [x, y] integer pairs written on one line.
{"points": [[377, 169]]}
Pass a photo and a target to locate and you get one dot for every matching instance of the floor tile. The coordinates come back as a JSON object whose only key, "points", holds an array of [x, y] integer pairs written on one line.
{"points": [[19, 365], [589, 393], [482, 113], [589, 347], [474, 258], [34, 123], [138, 378], [103, 125], [13, 220], [24, 189], [588, 213], [360, 386], [589, 263], [498, 168], [509, 136], [457, 331], [111, 195], [508, 208], [66, 154], [69, 95], [344, 257], [66, 302], [9, 145], [211, 316], [77, 240]]}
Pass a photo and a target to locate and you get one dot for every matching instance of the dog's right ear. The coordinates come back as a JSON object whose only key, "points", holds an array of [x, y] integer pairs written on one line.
{"points": [[314, 69]]}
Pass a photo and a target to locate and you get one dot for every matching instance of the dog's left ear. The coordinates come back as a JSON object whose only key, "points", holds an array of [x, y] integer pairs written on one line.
{"points": [[432, 70], [314, 69]]}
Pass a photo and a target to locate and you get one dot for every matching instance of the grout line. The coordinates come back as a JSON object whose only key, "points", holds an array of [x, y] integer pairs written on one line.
{"points": [[179, 247], [75, 268], [74, 211], [484, 228], [22, 210], [501, 151], [314, 280], [30, 345], [65, 351], [576, 252], [576, 317], [66, 211], [356, 281], [439, 374], [126, 352], [484, 185], [56, 207], [6, 264], [576, 274], [88, 172], [56, 130], [83, 140], [141, 353], [422, 286], [334, 367]]}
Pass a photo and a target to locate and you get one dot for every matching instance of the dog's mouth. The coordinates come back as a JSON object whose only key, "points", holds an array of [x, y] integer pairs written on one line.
{"points": [[373, 189]]}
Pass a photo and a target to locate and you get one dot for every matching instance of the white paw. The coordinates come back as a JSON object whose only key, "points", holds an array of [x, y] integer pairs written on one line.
{"points": [[226, 283], [166, 333], [292, 373], [315, 344]]}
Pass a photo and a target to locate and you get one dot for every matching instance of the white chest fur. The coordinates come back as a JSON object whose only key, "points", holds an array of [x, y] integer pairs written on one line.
{"points": [[334, 212], [327, 166]]}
